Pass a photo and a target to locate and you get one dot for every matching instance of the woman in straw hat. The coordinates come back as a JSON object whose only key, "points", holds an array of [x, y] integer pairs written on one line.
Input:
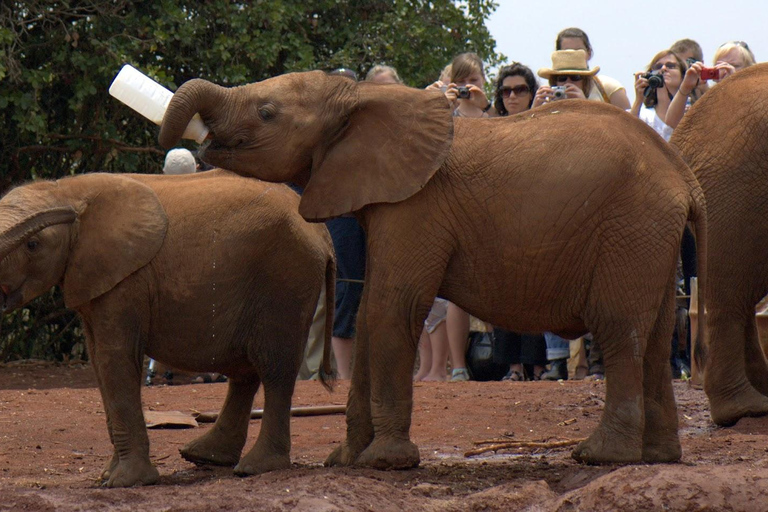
{"points": [[606, 89], [569, 78]]}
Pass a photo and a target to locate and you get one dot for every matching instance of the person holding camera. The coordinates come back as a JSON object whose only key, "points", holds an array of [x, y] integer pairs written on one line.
{"points": [[661, 92], [569, 78], [465, 87], [604, 88]]}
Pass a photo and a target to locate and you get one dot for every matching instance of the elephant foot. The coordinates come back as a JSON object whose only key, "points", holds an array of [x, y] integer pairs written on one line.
{"points": [[346, 454], [604, 447], [727, 411], [110, 467], [659, 451], [207, 450], [390, 454], [129, 474], [253, 464]]}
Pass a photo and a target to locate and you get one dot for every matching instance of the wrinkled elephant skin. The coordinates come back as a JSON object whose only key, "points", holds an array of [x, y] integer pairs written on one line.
{"points": [[209, 272], [566, 218], [724, 139]]}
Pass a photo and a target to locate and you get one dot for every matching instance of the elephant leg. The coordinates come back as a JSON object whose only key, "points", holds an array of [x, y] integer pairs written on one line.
{"points": [[120, 385], [223, 444], [359, 423], [112, 463], [619, 436], [272, 450], [661, 442], [393, 343], [731, 395], [756, 364]]}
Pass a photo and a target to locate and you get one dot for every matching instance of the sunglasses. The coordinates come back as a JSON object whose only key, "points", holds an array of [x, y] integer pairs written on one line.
{"points": [[668, 65], [561, 79], [739, 43], [519, 90]]}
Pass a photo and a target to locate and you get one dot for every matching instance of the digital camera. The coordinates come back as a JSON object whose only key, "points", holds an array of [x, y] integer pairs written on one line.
{"points": [[558, 92], [655, 79], [709, 73], [463, 92]]}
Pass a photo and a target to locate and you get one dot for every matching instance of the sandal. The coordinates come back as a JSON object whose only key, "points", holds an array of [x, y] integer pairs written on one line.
{"points": [[514, 376]]}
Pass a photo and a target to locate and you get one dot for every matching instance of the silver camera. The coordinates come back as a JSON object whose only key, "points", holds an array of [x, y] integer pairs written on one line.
{"points": [[558, 92]]}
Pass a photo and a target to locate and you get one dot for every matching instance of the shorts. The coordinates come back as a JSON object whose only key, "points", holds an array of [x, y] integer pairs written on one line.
{"points": [[436, 315]]}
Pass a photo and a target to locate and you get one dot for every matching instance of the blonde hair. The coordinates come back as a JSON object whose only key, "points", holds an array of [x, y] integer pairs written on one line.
{"points": [[382, 68], [741, 47]]}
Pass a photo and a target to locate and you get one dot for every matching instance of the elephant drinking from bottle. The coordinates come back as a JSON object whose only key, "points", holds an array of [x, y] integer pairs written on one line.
{"points": [[565, 219]]}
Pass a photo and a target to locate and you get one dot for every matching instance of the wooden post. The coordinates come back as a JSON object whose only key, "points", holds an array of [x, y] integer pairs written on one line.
{"points": [[693, 313]]}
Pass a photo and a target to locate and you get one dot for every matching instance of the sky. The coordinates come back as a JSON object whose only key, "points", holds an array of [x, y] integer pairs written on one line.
{"points": [[626, 35]]}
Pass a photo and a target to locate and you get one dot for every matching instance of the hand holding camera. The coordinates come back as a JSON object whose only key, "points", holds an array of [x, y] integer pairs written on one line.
{"points": [[709, 73]]}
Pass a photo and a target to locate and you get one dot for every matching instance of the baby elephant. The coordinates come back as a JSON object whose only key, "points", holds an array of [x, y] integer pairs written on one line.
{"points": [[208, 272]]}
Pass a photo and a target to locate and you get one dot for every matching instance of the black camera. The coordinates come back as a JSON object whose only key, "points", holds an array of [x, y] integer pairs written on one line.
{"points": [[655, 80], [463, 92]]}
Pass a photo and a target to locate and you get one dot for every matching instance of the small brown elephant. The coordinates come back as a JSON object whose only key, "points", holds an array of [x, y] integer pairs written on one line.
{"points": [[724, 139], [565, 219], [209, 272]]}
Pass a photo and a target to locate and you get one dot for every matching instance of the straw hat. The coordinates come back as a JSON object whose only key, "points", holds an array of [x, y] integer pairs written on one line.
{"points": [[568, 62]]}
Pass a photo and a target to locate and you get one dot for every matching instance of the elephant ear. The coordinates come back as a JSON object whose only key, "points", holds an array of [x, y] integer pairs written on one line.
{"points": [[395, 139], [121, 227]]}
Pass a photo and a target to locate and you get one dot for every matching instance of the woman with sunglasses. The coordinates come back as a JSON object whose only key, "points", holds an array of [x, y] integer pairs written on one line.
{"points": [[663, 107], [515, 88], [569, 71], [605, 88]]}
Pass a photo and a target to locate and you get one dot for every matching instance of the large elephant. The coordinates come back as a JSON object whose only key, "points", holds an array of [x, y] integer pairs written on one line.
{"points": [[208, 272], [724, 139], [564, 219]]}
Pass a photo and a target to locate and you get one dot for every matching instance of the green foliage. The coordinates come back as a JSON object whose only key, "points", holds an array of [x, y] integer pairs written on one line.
{"points": [[58, 58]]}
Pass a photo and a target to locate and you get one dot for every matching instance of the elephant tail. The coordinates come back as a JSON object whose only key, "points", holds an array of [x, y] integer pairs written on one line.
{"points": [[697, 215], [327, 375]]}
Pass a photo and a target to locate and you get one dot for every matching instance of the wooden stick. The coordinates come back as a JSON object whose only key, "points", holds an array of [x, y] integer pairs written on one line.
{"points": [[316, 410], [522, 444]]}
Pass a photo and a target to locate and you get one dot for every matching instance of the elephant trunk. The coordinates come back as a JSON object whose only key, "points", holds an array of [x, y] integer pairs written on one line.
{"points": [[196, 95], [31, 224]]}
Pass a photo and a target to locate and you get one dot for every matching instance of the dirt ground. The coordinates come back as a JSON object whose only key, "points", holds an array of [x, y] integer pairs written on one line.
{"points": [[54, 444]]}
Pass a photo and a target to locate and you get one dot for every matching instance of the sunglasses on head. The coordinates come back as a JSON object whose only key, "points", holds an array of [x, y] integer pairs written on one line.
{"points": [[519, 90], [668, 65], [561, 79], [739, 43]]}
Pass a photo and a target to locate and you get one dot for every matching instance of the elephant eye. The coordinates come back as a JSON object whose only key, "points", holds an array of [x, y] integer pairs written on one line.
{"points": [[267, 112], [32, 244]]}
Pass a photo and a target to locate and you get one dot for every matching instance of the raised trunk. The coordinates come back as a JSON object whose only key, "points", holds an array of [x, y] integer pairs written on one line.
{"points": [[31, 224], [192, 97]]}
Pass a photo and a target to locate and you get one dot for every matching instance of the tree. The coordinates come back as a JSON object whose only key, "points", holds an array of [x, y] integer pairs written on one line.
{"points": [[58, 58]]}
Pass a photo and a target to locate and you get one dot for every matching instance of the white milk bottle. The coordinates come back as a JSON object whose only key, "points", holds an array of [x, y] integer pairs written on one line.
{"points": [[150, 99]]}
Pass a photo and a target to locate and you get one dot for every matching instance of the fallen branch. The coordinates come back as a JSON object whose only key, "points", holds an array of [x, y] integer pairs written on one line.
{"points": [[317, 410], [521, 444]]}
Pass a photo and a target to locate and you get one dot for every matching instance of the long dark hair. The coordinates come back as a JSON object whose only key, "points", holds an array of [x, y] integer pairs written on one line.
{"points": [[575, 33], [514, 69]]}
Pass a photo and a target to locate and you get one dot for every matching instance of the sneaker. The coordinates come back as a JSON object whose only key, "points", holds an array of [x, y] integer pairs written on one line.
{"points": [[459, 375], [558, 370]]}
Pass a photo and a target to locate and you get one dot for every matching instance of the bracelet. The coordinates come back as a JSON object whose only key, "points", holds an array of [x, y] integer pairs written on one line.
{"points": [[486, 109]]}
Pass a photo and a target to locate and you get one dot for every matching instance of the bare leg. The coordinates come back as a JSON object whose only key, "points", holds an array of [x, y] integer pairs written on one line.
{"points": [[425, 356], [458, 333], [439, 342], [342, 350]]}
